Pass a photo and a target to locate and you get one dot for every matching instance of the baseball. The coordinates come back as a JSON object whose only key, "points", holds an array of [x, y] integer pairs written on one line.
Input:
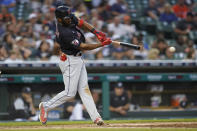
{"points": [[172, 49]]}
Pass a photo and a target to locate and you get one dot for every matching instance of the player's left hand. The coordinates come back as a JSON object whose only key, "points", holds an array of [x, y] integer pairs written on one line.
{"points": [[106, 42]]}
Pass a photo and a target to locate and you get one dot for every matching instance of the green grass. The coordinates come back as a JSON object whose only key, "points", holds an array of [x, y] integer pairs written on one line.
{"points": [[89, 122], [103, 129], [28, 125]]}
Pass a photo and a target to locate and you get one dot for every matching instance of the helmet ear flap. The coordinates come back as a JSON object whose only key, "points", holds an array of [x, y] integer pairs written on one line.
{"points": [[59, 20]]}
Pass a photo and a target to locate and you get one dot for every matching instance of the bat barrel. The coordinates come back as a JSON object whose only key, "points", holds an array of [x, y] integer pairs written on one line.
{"points": [[136, 47]]}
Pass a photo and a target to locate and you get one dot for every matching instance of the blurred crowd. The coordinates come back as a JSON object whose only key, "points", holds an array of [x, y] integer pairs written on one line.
{"points": [[27, 29]]}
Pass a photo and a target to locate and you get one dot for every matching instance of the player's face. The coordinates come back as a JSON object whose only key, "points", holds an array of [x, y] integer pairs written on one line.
{"points": [[67, 20], [119, 91]]}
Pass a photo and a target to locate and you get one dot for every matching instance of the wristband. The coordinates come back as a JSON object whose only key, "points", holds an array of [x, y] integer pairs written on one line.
{"points": [[94, 31], [81, 21]]}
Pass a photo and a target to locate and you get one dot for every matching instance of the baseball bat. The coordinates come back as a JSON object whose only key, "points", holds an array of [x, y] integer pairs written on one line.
{"points": [[133, 46]]}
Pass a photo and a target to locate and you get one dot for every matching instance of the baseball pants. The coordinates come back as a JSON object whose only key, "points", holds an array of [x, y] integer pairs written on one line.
{"points": [[75, 79]]}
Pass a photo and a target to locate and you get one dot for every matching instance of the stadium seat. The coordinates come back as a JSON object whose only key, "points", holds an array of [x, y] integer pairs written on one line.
{"points": [[149, 25], [193, 35], [22, 11], [172, 2], [166, 28]]}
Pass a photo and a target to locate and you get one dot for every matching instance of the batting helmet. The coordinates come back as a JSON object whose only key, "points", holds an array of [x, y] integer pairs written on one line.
{"points": [[64, 13]]}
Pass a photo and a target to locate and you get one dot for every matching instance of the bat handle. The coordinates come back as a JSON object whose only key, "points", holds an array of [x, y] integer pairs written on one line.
{"points": [[116, 42]]}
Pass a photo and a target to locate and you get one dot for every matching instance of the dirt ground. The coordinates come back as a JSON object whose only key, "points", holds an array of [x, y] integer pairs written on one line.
{"points": [[117, 125]]}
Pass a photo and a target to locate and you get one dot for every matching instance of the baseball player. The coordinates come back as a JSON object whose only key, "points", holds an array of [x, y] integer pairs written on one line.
{"points": [[72, 42]]}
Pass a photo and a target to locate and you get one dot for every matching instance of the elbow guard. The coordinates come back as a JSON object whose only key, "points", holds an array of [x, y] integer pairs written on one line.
{"points": [[81, 21]]}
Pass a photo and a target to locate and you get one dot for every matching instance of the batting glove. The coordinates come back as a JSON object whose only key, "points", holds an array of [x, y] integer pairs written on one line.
{"points": [[100, 35], [106, 42]]}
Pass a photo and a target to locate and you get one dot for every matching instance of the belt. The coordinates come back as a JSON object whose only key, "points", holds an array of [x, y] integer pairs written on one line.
{"points": [[63, 56], [78, 54]]}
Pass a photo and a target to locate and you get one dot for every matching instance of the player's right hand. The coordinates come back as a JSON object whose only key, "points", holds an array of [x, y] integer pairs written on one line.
{"points": [[106, 42], [100, 35]]}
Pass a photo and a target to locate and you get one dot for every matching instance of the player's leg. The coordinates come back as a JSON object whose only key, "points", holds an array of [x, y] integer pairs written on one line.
{"points": [[86, 97], [70, 71]]}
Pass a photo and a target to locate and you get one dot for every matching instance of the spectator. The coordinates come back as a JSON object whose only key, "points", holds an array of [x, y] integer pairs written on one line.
{"points": [[44, 52], [35, 5], [23, 47], [6, 16], [55, 53], [190, 51], [95, 20], [111, 2], [119, 102], [129, 28], [152, 11], [168, 15], [33, 22], [117, 28], [183, 27], [88, 4], [10, 28], [161, 6], [49, 21], [161, 45], [119, 53], [159, 36], [46, 6], [191, 54], [138, 54], [180, 44], [104, 12], [10, 4], [96, 3], [3, 53], [2, 29], [8, 41], [195, 21], [14, 56], [190, 4], [118, 8], [180, 9], [44, 36], [23, 107], [153, 54], [81, 10], [73, 110], [97, 100]]}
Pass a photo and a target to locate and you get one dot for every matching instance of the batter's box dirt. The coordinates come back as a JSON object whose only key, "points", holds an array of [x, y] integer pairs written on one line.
{"points": [[116, 125]]}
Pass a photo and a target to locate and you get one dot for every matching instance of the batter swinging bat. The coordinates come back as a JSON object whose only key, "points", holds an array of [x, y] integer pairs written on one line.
{"points": [[136, 47]]}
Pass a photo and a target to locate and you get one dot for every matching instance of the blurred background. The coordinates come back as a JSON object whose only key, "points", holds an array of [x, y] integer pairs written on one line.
{"points": [[159, 81]]}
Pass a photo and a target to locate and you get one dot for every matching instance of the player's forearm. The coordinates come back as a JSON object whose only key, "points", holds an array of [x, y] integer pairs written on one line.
{"points": [[112, 109], [84, 47], [126, 107], [87, 26], [33, 110], [180, 31]]}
